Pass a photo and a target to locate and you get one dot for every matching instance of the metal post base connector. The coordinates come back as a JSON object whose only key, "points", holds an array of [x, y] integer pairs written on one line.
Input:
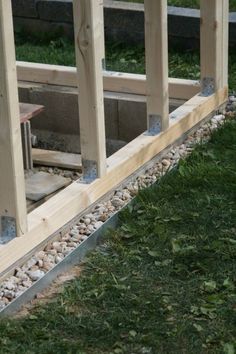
{"points": [[208, 86], [8, 229], [154, 124], [89, 171]]}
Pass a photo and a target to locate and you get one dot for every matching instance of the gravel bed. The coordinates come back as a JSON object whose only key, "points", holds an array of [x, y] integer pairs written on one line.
{"points": [[72, 175], [44, 260]]}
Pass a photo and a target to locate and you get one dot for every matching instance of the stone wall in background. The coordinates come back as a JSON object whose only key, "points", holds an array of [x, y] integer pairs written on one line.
{"points": [[124, 22]]}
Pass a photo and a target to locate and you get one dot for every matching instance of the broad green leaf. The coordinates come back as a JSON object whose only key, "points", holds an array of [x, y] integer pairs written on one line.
{"points": [[175, 246], [198, 327], [153, 253], [133, 333], [176, 218], [209, 286], [229, 348]]}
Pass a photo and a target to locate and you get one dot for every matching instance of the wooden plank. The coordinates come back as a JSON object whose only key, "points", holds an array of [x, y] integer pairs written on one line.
{"points": [[89, 39], [112, 81], [41, 184], [57, 159], [214, 44], [28, 111], [12, 190], [48, 218], [156, 46]]}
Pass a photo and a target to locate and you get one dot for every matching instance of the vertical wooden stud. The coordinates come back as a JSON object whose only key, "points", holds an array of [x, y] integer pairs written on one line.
{"points": [[214, 45], [89, 47], [225, 44], [13, 215], [156, 44]]}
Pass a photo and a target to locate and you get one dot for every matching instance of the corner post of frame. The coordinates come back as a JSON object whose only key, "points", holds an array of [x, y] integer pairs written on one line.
{"points": [[89, 48], [214, 45], [13, 213], [156, 48]]}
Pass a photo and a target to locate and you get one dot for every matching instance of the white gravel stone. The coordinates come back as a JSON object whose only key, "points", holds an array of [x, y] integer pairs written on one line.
{"points": [[57, 246], [36, 275], [40, 263], [52, 252], [9, 294], [117, 202], [2, 304], [9, 285], [48, 265], [31, 262], [40, 255], [58, 259], [98, 224], [166, 162], [21, 275], [87, 221]]}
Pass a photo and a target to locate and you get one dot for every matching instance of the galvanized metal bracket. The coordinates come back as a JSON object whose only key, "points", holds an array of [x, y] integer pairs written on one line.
{"points": [[8, 229], [208, 86], [90, 171], [154, 124]]}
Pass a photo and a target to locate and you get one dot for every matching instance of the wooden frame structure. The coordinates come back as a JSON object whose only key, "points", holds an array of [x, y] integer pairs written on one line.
{"points": [[101, 174]]}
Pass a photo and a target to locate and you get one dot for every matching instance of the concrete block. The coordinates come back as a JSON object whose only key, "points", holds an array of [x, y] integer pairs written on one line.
{"points": [[23, 93], [124, 23], [61, 110], [25, 8], [111, 118], [132, 119], [56, 10], [42, 27]]}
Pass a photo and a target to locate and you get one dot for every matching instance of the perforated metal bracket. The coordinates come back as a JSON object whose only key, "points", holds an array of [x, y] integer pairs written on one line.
{"points": [[154, 124], [208, 86], [89, 171], [8, 229]]}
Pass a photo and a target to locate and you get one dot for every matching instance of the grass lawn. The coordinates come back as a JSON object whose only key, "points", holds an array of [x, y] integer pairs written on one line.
{"points": [[187, 3], [164, 282]]}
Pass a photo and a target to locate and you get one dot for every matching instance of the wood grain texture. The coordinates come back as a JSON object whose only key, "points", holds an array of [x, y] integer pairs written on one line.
{"points": [[12, 189], [57, 159], [214, 41], [156, 46], [89, 44], [112, 81], [28, 111]]}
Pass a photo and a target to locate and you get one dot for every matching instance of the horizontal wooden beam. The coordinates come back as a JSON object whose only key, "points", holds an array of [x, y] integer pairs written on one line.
{"points": [[112, 81], [60, 209]]}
